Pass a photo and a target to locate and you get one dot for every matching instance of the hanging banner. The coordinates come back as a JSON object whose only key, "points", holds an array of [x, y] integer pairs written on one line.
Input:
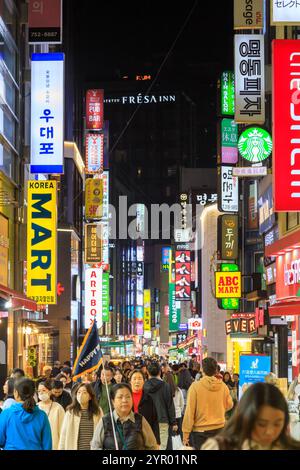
{"points": [[228, 194], [229, 139], [248, 14], [93, 297], [94, 153], [45, 21], [47, 113], [249, 78], [94, 110], [227, 94], [105, 297], [93, 244], [93, 198], [228, 237], [147, 310], [42, 242], [286, 111], [174, 309], [183, 275], [285, 12]]}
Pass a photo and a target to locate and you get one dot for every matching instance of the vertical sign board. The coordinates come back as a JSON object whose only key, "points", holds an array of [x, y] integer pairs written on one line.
{"points": [[228, 241], [229, 140], [106, 144], [286, 116], [42, 242], [248, 14], [93, 297], [174, 309], [147, 310], [94, 110], [249, 78], [183, 275], [93, 198], [165, 256], [47, 113], [229, 303], [228, 285], [93, 243], [228, 194], [4, 250], [105, 208], [94, 153], [105, 297], [253, 369], [45, 21], [227, 94]]}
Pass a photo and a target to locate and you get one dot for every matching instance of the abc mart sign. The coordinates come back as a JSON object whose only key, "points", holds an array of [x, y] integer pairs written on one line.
{"points": [[228, 285]]}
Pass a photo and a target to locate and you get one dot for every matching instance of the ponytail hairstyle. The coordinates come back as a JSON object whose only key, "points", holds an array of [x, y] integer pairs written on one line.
{"points": [[26, 389]]}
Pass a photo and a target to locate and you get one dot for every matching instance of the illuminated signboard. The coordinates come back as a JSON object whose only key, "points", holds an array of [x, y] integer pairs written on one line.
{"points": [[93, 198], [229, 139], [42, 242], [94, 109], [45, 21], [286, 111], [93, 244], [228, 195], [47, 113], [229, 304], [183, 275], [249, 78], [147, 310], [250, 171], [228, 236], [228, 285], [265, 211], [165, 256], [249, 14], [255, 144], [94, 153], [93, 297], [105, 297], [105, 206], [227, 94]]}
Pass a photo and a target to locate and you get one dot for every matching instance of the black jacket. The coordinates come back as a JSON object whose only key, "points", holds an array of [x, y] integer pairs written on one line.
{"points": [[161, 394], [147, 409], [64, 400]]}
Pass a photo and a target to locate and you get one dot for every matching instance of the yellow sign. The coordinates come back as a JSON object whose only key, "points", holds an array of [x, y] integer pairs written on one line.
{"points": [[4, 250], [147, 310], [228, 285], [42, 241], [93, 198]]}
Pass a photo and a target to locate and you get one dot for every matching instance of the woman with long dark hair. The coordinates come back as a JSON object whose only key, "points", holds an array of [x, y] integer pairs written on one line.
{"points": [[24, 426], [81, 419], [260, 422], [8, 389]]}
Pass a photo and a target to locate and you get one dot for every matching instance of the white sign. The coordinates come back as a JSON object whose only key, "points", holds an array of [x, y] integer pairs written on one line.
{"points": [[229, 190], [195, 324], [250, 171], [182, 235], [47, 113], [249, 78], [285, 12], [105, 242], [94, 149], [141, 99], [105, 208], [93, 297]]}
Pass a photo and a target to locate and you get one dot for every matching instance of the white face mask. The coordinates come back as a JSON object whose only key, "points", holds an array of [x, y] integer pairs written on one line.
{"points": [[43, 396]]}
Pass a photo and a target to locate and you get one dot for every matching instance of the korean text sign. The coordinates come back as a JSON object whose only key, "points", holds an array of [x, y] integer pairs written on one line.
{"points": [[147, 310], [94, 153], [47, 113], [93, 297], [42, 242], [93, 198], [286, 115], [228, 285], [228, 236], [249, 78], [253, 369], [228, 194], [94, 109], [45, 21]]}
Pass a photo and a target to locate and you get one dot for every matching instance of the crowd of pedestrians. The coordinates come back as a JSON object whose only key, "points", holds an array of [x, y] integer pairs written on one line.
{"points": [[143, 405]]}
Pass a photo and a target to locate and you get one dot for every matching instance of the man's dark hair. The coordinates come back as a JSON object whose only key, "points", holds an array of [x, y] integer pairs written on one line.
{"points": [[18, 371], [154, 369], [57, 384], [66, 370], [67, 364], [209, 366]]}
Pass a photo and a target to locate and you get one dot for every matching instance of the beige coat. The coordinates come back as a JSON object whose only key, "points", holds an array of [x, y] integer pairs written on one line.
{"points": [[56, 415], [70, 431], [212, 444]]}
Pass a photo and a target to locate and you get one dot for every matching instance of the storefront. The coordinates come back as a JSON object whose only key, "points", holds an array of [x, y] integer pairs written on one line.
{"points": [[286, 304]]}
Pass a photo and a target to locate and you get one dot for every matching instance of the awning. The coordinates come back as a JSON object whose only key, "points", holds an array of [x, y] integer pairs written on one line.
{"points": [[284, 308], [280, 247], [18, 299]]}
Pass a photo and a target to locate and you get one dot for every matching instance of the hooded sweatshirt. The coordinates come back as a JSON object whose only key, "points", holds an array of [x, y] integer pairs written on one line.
{"points": [[207, 401], [161, 394], [20, 430]]}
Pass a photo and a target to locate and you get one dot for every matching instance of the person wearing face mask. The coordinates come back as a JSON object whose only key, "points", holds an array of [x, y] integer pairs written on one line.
{"points": [[53, 410], [81, 419]]}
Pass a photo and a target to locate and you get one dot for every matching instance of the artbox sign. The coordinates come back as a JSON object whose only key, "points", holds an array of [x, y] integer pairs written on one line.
{"points": [[229, 139], [228, 284], [94, 151], [228, 236], [285, 12], [93, 297], [94, 110], [248, 14], [227, 94], [255, 144], [229, 191], [47, 113], [249, 78], [286, 116]]}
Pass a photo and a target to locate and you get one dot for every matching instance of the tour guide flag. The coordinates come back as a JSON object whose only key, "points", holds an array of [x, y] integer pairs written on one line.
{"points": [[89, 356]]}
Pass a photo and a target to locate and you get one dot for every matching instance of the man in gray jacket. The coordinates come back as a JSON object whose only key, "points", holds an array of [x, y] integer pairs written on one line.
{"points": [[161, 394]]}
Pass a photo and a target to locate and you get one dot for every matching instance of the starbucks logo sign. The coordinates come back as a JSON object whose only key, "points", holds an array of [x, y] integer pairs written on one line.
{"points": [[255, 144]]}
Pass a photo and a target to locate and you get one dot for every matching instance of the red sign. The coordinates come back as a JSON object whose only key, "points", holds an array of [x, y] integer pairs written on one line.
{"points": [[288, 276], [45, 21], [94, 109], [183, 270], [286, 116]]}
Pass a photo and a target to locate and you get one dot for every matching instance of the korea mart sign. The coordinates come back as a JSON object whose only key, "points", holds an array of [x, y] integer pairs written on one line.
{"points": [[255, 144], [47, 113], [248, 14], [286, 112], [42, 242], [228, 285]]}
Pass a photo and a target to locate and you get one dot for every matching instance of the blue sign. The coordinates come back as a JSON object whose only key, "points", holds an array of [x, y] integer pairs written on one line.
{"points": [[165, 257], [183, 326], [266, 211], [253, 369]]}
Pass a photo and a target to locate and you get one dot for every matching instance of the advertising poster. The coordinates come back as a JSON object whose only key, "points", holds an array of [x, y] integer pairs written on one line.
{"points": [[183, 275], [94, 110], [253, 369]]}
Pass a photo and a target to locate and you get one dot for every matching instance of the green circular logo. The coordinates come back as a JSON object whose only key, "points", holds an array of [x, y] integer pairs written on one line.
{"points": [[255, 144]]}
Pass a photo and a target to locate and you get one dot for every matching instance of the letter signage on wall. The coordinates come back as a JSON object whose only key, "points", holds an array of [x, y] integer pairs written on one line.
{"points": [[42, 242], [47, 113], [94, 110], [248, 14], [105, 297], [228, 284], [45, 21], [249, 78], [93, 297], [286, 116]]}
